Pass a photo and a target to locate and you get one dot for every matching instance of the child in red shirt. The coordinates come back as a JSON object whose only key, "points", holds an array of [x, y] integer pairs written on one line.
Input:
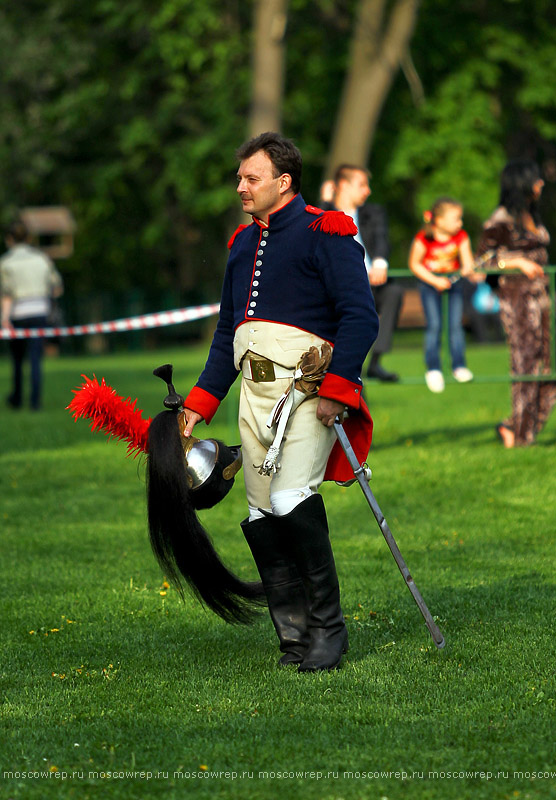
{"points": [[441, 254]]}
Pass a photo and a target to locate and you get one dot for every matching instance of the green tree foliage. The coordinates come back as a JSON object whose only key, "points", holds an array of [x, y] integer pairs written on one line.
{"points": [[129, 113], [489, 96], [125, 112]]}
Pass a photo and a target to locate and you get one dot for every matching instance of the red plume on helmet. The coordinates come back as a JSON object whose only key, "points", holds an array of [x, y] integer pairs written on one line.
{"points": [[109, 412]]}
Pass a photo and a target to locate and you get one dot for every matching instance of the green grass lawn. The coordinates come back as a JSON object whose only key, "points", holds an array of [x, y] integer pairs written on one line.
{"points": [[113, 687]]}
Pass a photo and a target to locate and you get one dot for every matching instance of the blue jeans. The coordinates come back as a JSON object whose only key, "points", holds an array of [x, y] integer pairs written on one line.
{"points": [[432, 306], [19, 348]]}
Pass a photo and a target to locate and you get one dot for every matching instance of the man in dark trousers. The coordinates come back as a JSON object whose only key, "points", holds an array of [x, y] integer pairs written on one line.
{"points": [[295, 283], [351, 190]]}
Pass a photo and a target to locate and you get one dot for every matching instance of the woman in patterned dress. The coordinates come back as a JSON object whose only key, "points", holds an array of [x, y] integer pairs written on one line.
{"points": [[515, 239]]}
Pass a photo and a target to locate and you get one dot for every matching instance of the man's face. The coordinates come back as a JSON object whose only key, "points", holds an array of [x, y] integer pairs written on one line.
{"points": [[358, 187], [260, 192]]}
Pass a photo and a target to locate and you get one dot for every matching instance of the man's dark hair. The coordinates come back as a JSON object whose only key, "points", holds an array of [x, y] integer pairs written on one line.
{"points": [[343, 172], [284, 155], [17, 231]]}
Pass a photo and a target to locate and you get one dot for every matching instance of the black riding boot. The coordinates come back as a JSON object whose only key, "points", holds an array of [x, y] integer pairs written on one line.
{"points": [[308, 531], [287, 602]]}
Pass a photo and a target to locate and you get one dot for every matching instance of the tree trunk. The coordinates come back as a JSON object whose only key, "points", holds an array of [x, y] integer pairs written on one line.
{"points": [[377, 49], [269, 29]]}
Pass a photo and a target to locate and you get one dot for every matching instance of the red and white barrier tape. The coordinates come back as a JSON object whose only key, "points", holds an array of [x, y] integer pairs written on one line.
{"points": [[140, 323]]}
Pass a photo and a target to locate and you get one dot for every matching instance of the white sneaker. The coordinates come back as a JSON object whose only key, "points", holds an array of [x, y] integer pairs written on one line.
{"points": [[434, 380], [462, 375]]}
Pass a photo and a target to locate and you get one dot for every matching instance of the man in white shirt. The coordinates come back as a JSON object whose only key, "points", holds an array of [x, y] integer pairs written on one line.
{"points": [[28, 282]]}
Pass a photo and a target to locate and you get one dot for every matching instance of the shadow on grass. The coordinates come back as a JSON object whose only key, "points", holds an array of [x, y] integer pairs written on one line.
{"points": [[452, 434], [470, 434], [485, 615], [467, 616]]}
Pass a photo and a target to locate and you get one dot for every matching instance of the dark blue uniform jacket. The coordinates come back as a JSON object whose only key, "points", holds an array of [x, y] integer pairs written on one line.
{"points": [[302, 270]]}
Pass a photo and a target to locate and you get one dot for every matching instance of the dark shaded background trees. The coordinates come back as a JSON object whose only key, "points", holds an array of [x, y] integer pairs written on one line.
{"points": [[130, 115], [125, 113]]}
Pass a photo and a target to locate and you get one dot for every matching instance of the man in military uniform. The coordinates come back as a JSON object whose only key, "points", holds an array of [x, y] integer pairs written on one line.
{"points": [[295, 280]]}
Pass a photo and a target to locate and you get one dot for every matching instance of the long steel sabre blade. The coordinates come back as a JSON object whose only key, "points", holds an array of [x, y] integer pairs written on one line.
{"points": [[359, 472]]}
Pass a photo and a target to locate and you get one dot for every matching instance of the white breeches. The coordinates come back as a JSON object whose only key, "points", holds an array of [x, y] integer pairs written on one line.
{"points": [[305, 449]]}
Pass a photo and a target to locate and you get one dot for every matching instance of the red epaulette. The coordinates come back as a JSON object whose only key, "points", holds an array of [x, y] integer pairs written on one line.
{"points": [[313, 210], [334, 222], [235, 233]]}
